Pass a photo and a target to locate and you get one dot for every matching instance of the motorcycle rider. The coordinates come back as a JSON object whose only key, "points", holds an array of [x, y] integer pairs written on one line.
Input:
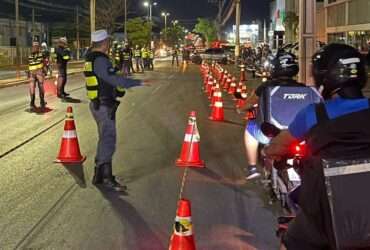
{"points": [[284, 67], [336, 129]]}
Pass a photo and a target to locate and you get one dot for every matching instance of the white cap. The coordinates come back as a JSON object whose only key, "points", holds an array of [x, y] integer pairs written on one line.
{"points": [[99, 35]]}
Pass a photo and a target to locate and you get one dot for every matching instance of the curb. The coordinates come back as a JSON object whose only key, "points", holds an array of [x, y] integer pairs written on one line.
{"points": [[25, 81]]}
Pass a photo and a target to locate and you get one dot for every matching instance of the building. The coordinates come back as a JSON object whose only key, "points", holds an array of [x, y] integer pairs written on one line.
{"points": [[284, 22], [348, 21]]}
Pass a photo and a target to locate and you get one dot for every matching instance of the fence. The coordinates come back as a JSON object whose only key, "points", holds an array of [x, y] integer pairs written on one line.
{"points": [[8, 55]]}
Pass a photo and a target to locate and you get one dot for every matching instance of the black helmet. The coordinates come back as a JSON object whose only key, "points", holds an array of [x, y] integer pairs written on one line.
{"points": [[284, 64], [339, 68]]}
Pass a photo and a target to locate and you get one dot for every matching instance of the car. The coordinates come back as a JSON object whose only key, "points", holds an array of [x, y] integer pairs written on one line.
{"points": [[215, 54]]}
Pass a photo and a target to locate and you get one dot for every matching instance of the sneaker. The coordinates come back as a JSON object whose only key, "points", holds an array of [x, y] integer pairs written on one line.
{"points": [[114, 185], [252, 173]]}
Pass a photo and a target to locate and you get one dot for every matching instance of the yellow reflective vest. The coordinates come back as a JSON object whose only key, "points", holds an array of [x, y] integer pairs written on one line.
{"points": [[91, 79], [35, 61]]}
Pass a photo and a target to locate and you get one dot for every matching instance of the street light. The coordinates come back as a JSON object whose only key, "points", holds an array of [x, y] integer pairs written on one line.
{"points": [[165, 15], [149, 5]]}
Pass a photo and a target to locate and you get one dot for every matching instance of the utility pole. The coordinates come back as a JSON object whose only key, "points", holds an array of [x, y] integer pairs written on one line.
{"points": [[237, 32], [264, 31], [92, 15], [307, 45], [18, 58], [126, 39], [78, 32], [33, 24]]}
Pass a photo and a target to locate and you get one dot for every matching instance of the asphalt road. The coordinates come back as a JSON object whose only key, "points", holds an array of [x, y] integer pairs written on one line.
{"points": [[49, 206]]}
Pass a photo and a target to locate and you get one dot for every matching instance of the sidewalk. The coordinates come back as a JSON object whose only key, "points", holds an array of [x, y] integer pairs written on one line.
{"points": [[74, 68]]}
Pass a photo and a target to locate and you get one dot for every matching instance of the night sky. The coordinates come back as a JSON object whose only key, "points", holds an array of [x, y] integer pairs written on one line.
{"points": [[188, 10]]}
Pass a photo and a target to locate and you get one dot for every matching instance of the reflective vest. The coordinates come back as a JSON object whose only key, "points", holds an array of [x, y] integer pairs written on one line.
{"points": [[35, 61], [151, 54], [91, 79], [67, 55], [126, 55], [137, 53], [144, 53]]}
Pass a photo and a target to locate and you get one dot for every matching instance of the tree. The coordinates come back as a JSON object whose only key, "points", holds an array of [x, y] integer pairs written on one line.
{"points": [[174, 34], [107, 13], [207, 29], [139, 31]]}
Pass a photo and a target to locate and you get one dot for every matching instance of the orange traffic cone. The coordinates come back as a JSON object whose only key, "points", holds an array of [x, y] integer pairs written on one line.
{"points": [[209, 85], [232, 88], [182, 237], [227, 83], [217, 113], [242, 73], [217, 94], [69, 149], [213, 87], [190, 153]]}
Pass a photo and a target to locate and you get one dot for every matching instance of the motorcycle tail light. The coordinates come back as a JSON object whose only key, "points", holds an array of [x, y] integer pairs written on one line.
{"points": [[299, 149]]}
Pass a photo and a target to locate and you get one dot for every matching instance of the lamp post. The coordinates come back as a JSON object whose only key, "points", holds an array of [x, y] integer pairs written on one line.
{"points": [[149, 5], [165, 15]]}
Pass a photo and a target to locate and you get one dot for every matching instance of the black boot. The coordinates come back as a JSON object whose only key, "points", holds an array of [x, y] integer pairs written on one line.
{"points": [[98, 176], [42, 100], [110, 181], [32, 103]]}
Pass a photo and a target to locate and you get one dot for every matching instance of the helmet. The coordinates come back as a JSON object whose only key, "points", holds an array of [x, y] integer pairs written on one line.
{"points": [[339, 68], [44, 45], [284, 64]]}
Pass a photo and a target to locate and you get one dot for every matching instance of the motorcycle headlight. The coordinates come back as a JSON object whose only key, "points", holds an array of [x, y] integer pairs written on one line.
{"points": [[266, 64]]}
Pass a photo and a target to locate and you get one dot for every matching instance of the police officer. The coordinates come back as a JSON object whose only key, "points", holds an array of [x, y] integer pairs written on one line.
{"points": [[36, 75], [138, 59], [145, 57], [103, 87], [337, 129], [126, 58], [63, 56], [117, 55], [151, 59], [175, 55]]}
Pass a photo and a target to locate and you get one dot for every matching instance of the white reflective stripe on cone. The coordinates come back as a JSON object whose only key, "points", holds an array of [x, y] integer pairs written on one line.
{"points": [[192, 138], [218, 94], [69, 134], [218, 104]]}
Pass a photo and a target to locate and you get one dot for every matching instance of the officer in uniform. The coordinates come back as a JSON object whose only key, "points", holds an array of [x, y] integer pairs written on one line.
{"points": [[126, 58], [117, 55], [175, 56], [103, 87], [138, 59], [63, 56], [151, 59], [36, 75], [145, 56]]}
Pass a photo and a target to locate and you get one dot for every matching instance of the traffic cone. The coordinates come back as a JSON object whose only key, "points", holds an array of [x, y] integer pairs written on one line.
{"points": [[232, 88], [190, 153], [210, 93], [217, 113], [217, 95], [227, 83], [242, 73], [209, 85], [242, 101], [69, 152], [182, 237]]}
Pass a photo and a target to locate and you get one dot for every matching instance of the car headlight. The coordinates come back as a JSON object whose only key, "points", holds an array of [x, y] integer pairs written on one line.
{"points": [[266, 64]]}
